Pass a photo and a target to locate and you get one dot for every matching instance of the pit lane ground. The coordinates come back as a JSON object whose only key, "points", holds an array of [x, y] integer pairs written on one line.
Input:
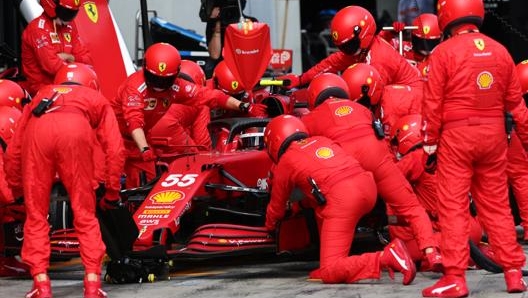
{"points": [[257, 278]]}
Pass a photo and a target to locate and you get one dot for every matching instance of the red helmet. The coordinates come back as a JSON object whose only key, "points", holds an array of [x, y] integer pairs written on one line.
{"points": [[280, 132], [353, 29], [77, 73], [65, 10], [407, 133], [224, 79], [522, 73], [11, 94], [364, 82], [192, 72], [161, 65], [428, 34], [455, 12], [324, 86], [8, 118]]}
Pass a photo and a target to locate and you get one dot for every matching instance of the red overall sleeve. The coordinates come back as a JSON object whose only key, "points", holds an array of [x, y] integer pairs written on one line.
{"points": [[432, 104], [13, 155], [280, 193], [132, 105], [6, 196], [79, 51], [38, 38], [337, 61]]}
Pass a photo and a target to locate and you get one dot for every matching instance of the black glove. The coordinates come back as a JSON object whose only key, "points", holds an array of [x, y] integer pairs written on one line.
{"points": [[109, 204]]}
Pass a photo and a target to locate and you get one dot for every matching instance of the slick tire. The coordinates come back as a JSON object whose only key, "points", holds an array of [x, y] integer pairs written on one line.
{"points": [[484, 262]]}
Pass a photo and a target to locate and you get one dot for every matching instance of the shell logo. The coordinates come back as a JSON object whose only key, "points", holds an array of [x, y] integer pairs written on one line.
{"points": [[405, 127], [324, 153], [223, 241], [484, 80], [343, 111], [167, 197], [426, 30], [162, 66], [62, 90]]}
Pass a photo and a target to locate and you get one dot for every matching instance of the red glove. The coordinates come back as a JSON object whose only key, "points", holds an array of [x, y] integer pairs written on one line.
{"points": [[291, 80], [258, 110], [148, 154], [430, 158], [398, 26]]}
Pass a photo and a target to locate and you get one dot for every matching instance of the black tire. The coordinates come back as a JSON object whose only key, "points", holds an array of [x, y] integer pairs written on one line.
{"points": [[484, 262]]}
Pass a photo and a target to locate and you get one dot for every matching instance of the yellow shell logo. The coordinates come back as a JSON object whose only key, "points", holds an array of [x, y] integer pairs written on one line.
{"points": [[335, 35], [167, 197], [369, 81], [405, 127], [222, 241], [362, 23], [162, 66], [343, 111], [324, 153], [484, 80], [91, 11], [426, 29], [234, 85], [479, 43], [62, 90]]}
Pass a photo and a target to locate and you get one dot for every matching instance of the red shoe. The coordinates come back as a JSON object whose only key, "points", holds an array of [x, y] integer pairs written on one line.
{"points": [[514, 281], [92, 289], [396, 258], [432, 261], [452, 286], [41, 289]]}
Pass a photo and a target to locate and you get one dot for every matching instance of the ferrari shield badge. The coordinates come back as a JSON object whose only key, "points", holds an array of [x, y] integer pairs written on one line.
{"points": [[91, 11], [479, 43]]}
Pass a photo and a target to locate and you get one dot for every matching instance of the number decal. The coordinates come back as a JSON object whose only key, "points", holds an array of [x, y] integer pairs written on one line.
{"points": [[179, 180]]}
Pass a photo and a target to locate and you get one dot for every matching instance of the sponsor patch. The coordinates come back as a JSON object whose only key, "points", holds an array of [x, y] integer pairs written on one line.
{"points": [[150, 103], [62, 90], [484, 80], [167, 197], [324, 153], [343, 111]]}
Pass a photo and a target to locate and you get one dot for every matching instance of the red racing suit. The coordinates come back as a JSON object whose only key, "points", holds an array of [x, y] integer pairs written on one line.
{"points": [[137, 106], [424, 186], [42, 40], [350, 124], [517, 172], [471, 83], [59, 142], [393, 68], [350, 193], [183, 128], [396, 102]]}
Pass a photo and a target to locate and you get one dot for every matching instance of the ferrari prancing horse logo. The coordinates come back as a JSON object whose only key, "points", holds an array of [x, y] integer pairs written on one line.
{"points": [[162, 66], [91, 11], [479, 43]]}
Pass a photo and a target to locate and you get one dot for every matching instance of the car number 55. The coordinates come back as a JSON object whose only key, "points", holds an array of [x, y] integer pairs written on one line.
{"points": [[179, 180]]}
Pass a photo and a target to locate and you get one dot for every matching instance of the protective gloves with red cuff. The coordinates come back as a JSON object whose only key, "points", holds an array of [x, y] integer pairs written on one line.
{"points": [[398, 26], [430, 158], [147, 154], [110, 201], [254, 109]]}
